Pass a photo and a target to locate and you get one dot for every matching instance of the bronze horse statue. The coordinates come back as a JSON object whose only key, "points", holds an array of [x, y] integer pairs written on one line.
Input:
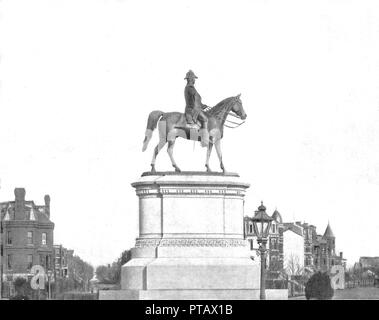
{"points": [[173, 124]]}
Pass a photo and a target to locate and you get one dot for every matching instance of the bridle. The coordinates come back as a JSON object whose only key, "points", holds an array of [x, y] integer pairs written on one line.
{"points": [[232, 124]]}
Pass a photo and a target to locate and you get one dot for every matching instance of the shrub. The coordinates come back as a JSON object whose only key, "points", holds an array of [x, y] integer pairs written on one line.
{"points": [[22, 289], [319, 287]]}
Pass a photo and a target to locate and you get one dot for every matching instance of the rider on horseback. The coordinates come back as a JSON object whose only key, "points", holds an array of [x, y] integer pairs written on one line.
{"points": [[194, 108]]}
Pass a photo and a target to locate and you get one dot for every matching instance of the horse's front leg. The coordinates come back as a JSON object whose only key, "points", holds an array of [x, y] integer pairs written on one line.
{"points": [[170, 150], [209, 150], [219, 154]]}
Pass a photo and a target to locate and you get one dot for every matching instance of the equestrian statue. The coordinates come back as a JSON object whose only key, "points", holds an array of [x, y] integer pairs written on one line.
{"points": [[199, 123]]}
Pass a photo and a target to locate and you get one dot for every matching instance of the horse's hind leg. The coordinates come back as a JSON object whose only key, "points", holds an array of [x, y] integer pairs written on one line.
{"points": [[219, 154], [209, 150], [158, 148], [170, 150]]}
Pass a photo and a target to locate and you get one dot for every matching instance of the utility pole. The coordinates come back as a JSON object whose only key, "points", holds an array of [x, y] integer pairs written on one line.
{"points": [[1, 254]]}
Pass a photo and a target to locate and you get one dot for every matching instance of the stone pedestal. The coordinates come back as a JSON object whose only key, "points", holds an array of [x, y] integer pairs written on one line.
{"points": [[191, 243]]}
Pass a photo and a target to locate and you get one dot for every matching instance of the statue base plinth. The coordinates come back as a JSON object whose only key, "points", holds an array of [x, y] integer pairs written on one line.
{"points": [[191, 240]]}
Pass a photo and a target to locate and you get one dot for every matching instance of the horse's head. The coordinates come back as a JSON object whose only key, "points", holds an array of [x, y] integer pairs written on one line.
{"points": [[238, 108]]}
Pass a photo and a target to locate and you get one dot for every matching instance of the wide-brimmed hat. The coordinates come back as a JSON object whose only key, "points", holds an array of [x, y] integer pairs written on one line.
{"points": [[190, 75]]}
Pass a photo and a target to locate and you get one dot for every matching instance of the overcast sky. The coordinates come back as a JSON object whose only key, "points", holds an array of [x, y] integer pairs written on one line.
{"points": [[79, 78]]}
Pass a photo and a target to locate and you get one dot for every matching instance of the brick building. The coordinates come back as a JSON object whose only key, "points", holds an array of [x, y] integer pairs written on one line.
{"points": [[324, 252], [274, 244], [26, 237], [62, 259], [369, 262], [318, 253]]}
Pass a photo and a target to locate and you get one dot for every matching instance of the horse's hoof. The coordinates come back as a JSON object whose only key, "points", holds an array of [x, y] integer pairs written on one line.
{"points": [[177, 169], [152, 168], [208, 169]]}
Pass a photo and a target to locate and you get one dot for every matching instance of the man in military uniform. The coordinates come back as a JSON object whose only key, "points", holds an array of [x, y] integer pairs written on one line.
{"points": [[194, 107]]}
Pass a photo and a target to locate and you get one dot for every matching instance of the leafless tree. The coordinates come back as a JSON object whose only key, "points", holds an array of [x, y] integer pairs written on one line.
{"points": [[293, 267]]}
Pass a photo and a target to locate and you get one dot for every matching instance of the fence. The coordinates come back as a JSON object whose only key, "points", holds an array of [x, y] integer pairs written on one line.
{"points": [[77, 296], [360, 283], [276, 284], [295, 286]]}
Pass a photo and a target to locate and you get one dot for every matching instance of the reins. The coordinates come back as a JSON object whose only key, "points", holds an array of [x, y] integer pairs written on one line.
{"points": [[232, 122]]}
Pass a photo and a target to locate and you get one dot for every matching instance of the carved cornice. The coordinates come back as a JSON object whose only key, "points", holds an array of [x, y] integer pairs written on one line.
{"points": [[190, 173], [190, 191], [145, 243]]}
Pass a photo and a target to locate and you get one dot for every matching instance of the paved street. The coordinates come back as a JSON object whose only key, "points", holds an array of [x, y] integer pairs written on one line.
{"points": [[352, 294]]}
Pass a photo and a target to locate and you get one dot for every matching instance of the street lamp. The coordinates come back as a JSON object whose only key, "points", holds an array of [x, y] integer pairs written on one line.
{"points": [[1, 260], [262, 224]]}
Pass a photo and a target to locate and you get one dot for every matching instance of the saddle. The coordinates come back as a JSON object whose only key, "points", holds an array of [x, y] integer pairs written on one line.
{"points": [[183, 124]]}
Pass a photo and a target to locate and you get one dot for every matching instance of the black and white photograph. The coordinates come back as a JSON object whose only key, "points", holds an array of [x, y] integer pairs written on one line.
{"points": [[189, 150]]}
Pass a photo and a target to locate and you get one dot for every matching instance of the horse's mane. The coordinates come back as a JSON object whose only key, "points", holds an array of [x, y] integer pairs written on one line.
{"points": [[219, 107]]}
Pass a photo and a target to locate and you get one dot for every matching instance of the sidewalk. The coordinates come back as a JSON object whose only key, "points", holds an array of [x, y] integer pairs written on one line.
{"points": [[364, 293]]}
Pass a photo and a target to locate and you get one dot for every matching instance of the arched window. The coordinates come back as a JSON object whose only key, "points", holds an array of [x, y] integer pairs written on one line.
{"points": [[250, 227]]}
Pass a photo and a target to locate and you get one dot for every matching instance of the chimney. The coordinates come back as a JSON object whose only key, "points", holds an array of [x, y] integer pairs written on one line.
{"points": [[19, 203], [341, 254], [47, 205]]}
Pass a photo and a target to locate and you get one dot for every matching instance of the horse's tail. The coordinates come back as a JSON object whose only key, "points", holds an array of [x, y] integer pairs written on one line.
{"points": [[152, 122]]}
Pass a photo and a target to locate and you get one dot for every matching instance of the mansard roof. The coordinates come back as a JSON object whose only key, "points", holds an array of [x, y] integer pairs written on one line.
{"points": [[32, 212], [294, 228]]}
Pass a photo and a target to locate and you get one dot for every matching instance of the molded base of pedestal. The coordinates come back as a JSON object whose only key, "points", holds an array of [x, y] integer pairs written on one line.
{"points": [[249, 294], [190, 274]]}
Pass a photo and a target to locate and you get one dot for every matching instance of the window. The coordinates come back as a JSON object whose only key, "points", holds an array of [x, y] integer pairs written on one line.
{"points": [[9, 238], [9, 260], [42, 260], [273, 228], [30, 261], [44, 236], [30, 237], [274, 244], [47, 262], [250, 228], [251, 244]]}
